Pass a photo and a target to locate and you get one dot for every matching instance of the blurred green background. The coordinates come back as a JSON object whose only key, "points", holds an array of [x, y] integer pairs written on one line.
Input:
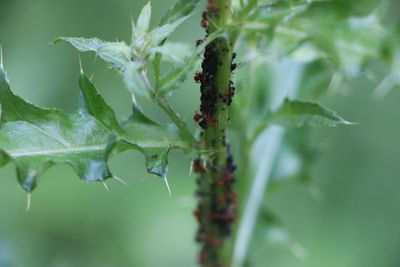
{"points": [[354, 221]]}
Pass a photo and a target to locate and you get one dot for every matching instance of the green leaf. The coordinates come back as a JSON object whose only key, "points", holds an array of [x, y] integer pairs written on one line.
{"points": [[36, 138], [175, 77], [143, 22], [145, 133], [139, 129], [296, 113], [161, 33], [157, 160], [174, 51], [92, 103], [270, 230], [117, 54], [133, 78], [180, 9]]}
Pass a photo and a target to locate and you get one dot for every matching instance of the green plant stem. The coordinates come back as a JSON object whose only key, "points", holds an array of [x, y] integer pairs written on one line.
{"points": [[177, 120], [166, 107], [217, 208]]}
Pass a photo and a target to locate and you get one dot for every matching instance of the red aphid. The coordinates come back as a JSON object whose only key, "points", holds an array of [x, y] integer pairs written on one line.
{"points": [[227, 218], [198, 77], [199, 42], [212, 5], [202, 258], [198, 166], [228, 178], [228, 94], [204, 18], [212, 121], [197, 117], [197, 215], [213, 241]]}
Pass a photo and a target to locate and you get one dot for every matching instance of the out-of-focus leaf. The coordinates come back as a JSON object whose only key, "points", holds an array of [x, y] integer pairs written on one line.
{"points": [[36, 138], [159, 34], [181, 9], [143, 22], [270, 230], [296, 113], [295, 160], [174, 51], [117, 54], [174, 78], [133, 79]]}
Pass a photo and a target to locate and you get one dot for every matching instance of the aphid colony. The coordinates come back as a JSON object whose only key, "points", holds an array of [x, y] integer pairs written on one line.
{"points": [[216, 210], [203, 119]]}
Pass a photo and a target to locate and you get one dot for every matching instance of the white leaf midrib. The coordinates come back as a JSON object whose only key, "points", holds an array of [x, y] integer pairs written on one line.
{"points": [[78, 149]]}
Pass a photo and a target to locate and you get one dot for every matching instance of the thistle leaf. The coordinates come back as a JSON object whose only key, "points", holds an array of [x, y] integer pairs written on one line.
{"points": [[117, 54], [133, 80], [36, 138], [296, 113], [175, 77], [91, 102], [161, 33], [143, 22]]}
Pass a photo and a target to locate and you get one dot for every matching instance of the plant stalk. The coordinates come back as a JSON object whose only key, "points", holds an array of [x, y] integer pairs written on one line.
{"points": [[216, 209], [177, 121]]}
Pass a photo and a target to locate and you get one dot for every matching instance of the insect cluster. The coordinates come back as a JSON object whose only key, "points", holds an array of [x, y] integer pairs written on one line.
{"points": [[216, 211]]}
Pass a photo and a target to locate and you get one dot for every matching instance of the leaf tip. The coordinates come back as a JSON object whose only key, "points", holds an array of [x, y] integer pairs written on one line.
{"points": [[80, 65], [167, 185], [105, 186], [57, 40], [28, 201], [120, 180], [350, 123], [1, 57]]}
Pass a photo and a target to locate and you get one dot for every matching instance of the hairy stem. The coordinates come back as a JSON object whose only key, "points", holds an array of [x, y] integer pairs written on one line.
{"points": [[216, 210]]}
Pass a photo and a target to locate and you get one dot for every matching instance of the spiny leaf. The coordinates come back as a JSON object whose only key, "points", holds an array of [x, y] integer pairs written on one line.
{"points": [[157, 160], [92, 103], [138, 130], [117, 54], [36, 138], [145, 133], [296, 113]]}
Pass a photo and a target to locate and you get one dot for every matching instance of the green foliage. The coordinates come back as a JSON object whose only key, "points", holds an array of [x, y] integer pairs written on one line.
{"points": [[147, 45], [36, 138], [299, 47], [299, 113], [117, 54]]}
